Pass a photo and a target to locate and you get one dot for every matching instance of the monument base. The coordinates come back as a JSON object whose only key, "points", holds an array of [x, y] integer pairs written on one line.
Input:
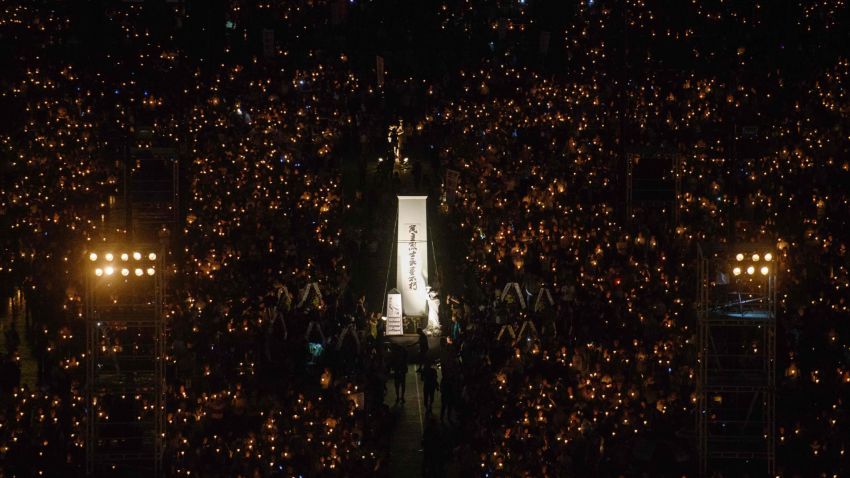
{"points": [[411, 343]]}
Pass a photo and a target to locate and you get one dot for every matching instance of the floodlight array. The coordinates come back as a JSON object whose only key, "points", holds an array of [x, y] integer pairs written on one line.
{"points": [[757, 263], [126, 263]]}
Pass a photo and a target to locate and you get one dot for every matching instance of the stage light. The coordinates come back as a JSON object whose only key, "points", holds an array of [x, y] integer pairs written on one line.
{"points": [[125, 272], [739, 257], [137, 256], [108, 270], [92, 257], [125, 257], [108, 256], [151, 271], [751, 270], [764, 270], [768, 257], [756, 257], [736, 271], [139, 272], [152, 256], [98, 272]]}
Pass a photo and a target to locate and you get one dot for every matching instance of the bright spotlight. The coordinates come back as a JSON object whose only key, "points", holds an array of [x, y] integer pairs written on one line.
{"points": [[108, 270], [736, 271], [92, 257], [98, 272], [125, 272], [125, 256], [768, 257], [751, 270], [137, 256], [139, 272], [764, 270], [152, 256], [108, 256], [739, 257], [151, 271], [756, 257]]}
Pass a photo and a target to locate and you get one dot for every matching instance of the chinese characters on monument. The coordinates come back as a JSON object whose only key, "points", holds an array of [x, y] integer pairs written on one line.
{"points": [[411, 252], [412, 255]]}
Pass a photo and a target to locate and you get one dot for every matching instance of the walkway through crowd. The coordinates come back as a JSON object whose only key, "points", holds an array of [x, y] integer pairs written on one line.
{"points": [[408, 442]]}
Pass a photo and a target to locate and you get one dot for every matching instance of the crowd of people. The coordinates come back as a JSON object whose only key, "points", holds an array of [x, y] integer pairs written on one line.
{"points": [[586, 366], [611, 387], [263, 218]]}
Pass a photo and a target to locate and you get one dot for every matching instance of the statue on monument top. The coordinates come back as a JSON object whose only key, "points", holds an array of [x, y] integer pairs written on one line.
{"points": [[395, 137]]}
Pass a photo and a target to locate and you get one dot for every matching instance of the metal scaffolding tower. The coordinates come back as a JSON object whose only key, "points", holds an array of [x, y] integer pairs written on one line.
{"points": [[151, 191], [125, 351], [737, 362]]}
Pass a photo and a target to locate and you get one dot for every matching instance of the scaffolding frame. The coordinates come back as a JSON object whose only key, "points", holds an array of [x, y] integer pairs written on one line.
{"points": [[736, 412], [132, 447], [143, 215]]}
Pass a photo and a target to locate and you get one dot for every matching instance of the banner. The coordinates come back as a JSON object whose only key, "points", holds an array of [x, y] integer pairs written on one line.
{"points": [[394, 313], [543, 295], [284, 299], [532, 331], [315, 325], [509, 297], [506, 328], [412, 254], [316, 302], [351, 330]]}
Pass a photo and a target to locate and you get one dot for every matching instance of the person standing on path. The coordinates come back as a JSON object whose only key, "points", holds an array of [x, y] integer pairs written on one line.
{"points": [[423, 347], [399, 367], [429, 385]]}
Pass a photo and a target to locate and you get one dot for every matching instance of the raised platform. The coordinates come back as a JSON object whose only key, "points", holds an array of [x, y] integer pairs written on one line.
{"points": [[734, 316], [747, 314]]}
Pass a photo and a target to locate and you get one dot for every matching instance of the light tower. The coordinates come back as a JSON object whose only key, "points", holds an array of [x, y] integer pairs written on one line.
{"points": [[737, 361], [125, 359]]}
